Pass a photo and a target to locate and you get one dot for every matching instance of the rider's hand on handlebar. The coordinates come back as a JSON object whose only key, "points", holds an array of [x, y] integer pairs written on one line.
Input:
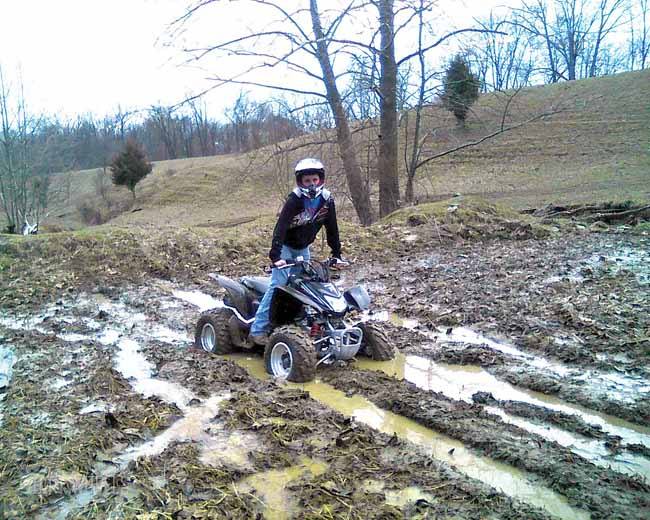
{"points": [[280, 263]]}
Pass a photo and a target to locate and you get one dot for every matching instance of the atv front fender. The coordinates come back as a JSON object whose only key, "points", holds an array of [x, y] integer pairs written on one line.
{"points": [[357, 298]]}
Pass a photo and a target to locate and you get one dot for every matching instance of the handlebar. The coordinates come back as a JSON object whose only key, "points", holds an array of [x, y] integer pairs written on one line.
{"points": [[332, 263]]}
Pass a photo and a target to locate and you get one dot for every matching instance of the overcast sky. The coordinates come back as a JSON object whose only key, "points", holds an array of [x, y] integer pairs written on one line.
{"points": [[81, 56]]}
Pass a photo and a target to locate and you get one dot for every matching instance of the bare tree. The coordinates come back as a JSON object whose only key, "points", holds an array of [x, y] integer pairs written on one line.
{"points": [[535, 19], [387, 161], [639, 41], [202, 125], [297, 35], [24, 176], [358, 191], [362, 96], [609, 16], [573, 33], [163, 119], [502, 62]]}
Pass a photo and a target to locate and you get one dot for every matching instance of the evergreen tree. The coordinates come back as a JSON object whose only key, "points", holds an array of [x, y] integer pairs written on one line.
{"points": [[461, 87], [130, 166]]}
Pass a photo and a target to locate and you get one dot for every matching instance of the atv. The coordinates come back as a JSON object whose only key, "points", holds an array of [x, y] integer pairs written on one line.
{"points": [[308, 320]]}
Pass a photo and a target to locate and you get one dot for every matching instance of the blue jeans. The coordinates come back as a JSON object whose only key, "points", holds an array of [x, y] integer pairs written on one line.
{"points": [[261, 325]]}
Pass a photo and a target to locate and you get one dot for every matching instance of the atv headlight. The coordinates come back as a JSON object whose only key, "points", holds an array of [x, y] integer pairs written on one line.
{"points": [[338, 304]]}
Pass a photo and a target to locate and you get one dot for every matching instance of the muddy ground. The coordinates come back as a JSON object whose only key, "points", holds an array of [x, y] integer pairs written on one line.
{"points": [[520, 390]]}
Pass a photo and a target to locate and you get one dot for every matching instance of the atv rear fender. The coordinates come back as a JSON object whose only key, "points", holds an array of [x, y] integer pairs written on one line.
{"points": [[237, 295]]}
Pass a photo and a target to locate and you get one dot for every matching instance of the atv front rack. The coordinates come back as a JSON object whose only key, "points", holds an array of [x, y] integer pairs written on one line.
{"points": [[345, 343]]}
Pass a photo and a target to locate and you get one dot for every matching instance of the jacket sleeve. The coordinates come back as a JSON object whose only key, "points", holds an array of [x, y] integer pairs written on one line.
{"points": [[281, 227], [332, 228]]}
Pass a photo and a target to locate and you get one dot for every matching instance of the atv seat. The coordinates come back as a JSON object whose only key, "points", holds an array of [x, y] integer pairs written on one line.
{"points": [[259, 284]]}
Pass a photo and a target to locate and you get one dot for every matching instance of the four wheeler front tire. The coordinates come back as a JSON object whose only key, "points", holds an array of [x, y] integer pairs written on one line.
{"points": [[375, 343], [290, 354], [212, 334]]}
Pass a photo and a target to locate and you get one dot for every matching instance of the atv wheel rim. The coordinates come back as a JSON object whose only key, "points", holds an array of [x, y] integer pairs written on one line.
{"points": [[208, 337], [281, 360]]}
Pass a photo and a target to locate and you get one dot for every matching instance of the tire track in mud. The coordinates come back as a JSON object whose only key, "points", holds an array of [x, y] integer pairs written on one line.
{"points": [[204, 375], [181, 469], [539, 415], [596, 324], [289, 419], [53, 434], [605, 493], [559, 381], [519, 485], [555, 420]]}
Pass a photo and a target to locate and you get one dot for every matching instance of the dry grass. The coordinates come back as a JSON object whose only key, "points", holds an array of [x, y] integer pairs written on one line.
{"points": [[596, 148]]}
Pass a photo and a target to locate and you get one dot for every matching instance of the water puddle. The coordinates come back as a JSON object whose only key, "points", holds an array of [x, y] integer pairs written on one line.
{"points": [[397, 497], [73, 337], [203, 301], [193, 426], [393, 318], [166, 335], [94, 408], [60, 383], [615, 385], [270, 486], [67, 507], [132, 364], [24, 323], [460, 382], [7, 362], [401, 498], [636, 261], [507, 479]]}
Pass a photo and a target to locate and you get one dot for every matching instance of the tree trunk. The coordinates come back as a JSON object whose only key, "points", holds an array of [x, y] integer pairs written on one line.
{"points": [[387, 163], [412, 162], [358, 191]]}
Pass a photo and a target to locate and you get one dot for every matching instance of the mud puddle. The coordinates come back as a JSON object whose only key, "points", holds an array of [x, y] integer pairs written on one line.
{"points": [[122, 329], [635, 260], [217, 445], [7, 361], [271, 486], [461, 382], [131, 328], [507, 479], [617, 386]]}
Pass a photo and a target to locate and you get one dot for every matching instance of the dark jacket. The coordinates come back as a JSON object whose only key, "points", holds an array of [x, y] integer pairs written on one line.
{"points": [[297, 229]]}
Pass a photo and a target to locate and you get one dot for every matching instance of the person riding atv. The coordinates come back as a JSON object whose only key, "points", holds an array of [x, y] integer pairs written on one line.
{"points": [[308, 207], [304, 312]]}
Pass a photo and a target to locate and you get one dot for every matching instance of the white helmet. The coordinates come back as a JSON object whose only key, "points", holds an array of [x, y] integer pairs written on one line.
{"points": [[310, 166]]}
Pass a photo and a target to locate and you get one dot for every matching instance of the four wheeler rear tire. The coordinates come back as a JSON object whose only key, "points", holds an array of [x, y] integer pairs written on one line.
{"points": [[290, 354], [212, 334], [375, 343]]}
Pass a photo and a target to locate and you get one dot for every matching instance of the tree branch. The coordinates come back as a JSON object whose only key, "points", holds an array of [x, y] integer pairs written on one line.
{"points": [[485, 138]]}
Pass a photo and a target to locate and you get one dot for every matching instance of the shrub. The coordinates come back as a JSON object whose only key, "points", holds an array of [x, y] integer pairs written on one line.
{"points": [[460, 88], [130, 166]]}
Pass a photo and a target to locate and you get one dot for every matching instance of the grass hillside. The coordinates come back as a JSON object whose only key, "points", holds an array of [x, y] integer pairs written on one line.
{"points": [[595, 147]]}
